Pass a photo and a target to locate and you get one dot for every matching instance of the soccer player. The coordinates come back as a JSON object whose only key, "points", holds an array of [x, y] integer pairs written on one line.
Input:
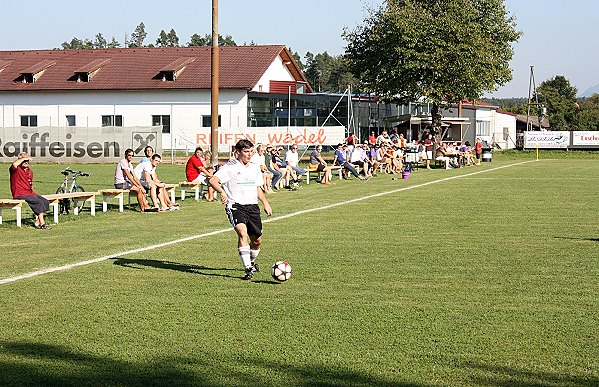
{"points": [[240, 191]]}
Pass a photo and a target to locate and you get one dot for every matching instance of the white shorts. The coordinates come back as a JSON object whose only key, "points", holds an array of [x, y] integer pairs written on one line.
{"points": [[200, 179], [429, 155]]}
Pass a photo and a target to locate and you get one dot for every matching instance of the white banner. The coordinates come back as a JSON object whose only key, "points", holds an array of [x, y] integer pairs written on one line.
{"points": [[76, 144], [277, 135], [585, 138], [546, 139]]}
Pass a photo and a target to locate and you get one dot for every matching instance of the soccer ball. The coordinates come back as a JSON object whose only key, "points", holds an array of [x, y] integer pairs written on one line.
{"points": [[281, 271]]}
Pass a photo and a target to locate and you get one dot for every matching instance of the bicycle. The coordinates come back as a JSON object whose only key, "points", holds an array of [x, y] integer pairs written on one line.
{"points": [[65, 204]]}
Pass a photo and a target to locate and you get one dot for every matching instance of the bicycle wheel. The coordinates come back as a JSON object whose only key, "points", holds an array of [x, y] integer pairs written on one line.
{"points": [[64, 204], [78, 203]]}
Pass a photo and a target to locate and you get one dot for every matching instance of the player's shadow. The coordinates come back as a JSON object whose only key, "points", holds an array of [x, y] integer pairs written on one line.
{"points": [[167, 265], [578, 239]]}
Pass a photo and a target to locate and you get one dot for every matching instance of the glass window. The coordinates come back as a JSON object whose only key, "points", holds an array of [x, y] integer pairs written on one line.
{"points": [[71, 121], [207, 121], [112, 120], [164, 121], [483, 128], [28, 120]]}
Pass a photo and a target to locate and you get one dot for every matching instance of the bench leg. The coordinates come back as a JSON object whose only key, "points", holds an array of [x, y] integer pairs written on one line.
{"points": [[104, 204], [121, 200], [182, 193], [18, 215], [307, 177], [54, 206], [197, 193], [92, 203], [1, 215], [75, 210]]}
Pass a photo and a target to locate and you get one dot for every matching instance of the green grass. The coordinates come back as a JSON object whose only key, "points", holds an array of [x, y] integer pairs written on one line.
{"points": [[488, 279]]}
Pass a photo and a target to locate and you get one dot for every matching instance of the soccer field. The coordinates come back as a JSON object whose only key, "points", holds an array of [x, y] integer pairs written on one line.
{"points": [[484, 275]]}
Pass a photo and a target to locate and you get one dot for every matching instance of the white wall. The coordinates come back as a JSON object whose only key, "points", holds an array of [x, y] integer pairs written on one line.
{"points": [[505, 121], [276, 71], [186, 108]]}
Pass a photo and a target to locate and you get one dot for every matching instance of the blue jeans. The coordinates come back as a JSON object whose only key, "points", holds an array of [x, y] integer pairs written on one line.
{"points": [[276, 176]]}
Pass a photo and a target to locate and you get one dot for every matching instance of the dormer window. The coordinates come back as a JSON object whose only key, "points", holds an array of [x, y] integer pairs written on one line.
{"points": [[87, 72], [170, 72], [33, 73]]}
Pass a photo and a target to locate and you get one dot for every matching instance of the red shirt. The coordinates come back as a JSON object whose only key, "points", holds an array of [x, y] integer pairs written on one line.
{"points": [[371, 140], [479, 148], [192, 167], [21, 182]]}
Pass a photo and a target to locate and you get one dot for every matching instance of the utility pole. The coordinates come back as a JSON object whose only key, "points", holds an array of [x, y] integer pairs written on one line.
{"points": [[532, 88], [214, 68]]}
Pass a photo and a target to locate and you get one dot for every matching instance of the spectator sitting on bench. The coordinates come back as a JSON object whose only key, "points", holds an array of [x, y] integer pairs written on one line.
{"points": [[280, 174], [341, 159], [21, 187], [196, 171], [146, 173], [441, 155], [359, 157], [125, 179], [259, 158], [292, 161], [316, 161]]}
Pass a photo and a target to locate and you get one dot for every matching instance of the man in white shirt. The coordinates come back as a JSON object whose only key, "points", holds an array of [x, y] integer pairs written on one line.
{"points": [[240, 191], [292, 161], [146, 173]]}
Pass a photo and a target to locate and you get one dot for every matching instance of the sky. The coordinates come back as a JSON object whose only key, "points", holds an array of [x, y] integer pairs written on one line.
{"points": [[559, 37]]}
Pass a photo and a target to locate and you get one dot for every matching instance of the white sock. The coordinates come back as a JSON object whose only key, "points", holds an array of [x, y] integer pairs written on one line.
{"points": [[244, 254], [254, 255]]}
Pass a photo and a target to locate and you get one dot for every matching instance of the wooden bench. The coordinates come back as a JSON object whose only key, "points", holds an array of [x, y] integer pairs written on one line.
{"points": [[195, 185], [13, 204], [112, 193], [333, 168], [54, 200], [170, 190]]}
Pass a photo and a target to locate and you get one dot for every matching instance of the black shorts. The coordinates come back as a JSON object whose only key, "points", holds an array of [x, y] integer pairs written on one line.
{"points": [[319, 167], [248, 214], [38, 204]]}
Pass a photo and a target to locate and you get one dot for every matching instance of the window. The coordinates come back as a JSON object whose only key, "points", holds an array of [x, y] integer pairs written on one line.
{"points": [[70, 120], [164, 121], [28, 120], [207, 121], [112, 120], [483, 128]]}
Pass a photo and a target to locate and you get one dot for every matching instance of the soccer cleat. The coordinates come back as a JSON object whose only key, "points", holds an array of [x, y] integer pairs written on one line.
{"points": [[255, 268], [249, 274]]}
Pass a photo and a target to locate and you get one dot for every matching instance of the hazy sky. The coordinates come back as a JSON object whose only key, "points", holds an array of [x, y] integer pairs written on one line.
{"points": [[560, 37]]}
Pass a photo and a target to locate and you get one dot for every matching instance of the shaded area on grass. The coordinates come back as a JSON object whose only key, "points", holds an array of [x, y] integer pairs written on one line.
{"points": [[500, 375], [167, 265], [578, 239], [185, 268], [48, 365]]}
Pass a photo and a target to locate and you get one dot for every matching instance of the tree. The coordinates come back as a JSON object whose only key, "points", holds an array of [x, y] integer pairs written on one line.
{"points": [[100, 41], [206, 40], [138, 36], [587, 117], [294, 55], [443, 50], [559, 97]]}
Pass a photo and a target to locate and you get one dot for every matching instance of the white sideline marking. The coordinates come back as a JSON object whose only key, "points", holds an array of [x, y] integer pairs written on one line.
{"points": [[189, 238]]}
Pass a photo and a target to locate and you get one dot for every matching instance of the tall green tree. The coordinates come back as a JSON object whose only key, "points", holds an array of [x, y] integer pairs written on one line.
{"points": [[559, 97], [443, 50], [587, 116], [138, 36], [206, 40]]}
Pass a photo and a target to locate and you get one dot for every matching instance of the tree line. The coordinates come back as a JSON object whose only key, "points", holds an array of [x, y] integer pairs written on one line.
{"points": [[561, 106], [325, 72], [409, 49]]}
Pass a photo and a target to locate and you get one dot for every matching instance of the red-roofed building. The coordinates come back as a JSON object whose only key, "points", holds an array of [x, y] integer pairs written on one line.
{"points": [[143, 87]]}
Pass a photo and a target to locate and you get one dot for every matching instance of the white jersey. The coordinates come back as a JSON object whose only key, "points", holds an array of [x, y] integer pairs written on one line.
{"points": [[240, 182], [144, 167]]}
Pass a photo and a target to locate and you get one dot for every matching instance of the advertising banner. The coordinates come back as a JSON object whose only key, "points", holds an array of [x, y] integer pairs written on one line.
{"points": [[556, 140], [77, 144], [590, 138], [278, 135]]}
